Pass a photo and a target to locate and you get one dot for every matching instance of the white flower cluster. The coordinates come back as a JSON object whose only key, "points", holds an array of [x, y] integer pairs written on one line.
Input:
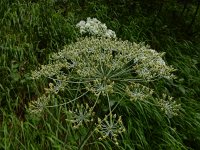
{"points": [[137, 91], [95, 28], [110, 127], [36, 108], [149, 64], [103, 67], [103, 64], [169, 106], [82, 114]]}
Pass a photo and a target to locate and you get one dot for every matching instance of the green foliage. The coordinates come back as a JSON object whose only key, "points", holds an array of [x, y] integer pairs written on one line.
{"points": [[103, 69], [31, 30]]}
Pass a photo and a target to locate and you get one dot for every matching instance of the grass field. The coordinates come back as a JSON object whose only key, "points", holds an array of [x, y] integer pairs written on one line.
{"points": [[31, 31]]}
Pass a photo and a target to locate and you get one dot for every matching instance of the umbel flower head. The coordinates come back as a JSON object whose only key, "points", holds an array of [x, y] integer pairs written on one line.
{"points": [[137, 91], [169, 106], [37, 107], [102, 67], [82, 114], [105, 65], [94, 27], [110, 127]]}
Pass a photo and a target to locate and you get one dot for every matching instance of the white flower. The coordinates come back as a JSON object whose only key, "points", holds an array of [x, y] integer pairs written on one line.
{"points": [[96, 21], [103, 26], [110, 127], [82, 114], [111, 33], [169, 106], [81, 23], [107, 35], [94, 27]]}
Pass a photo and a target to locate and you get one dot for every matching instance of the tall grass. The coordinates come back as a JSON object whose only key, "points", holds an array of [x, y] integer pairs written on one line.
{"points": [[30, 31]]}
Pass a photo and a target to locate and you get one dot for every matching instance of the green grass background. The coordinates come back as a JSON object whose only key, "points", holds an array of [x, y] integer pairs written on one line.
{"points": [[31, 30]]}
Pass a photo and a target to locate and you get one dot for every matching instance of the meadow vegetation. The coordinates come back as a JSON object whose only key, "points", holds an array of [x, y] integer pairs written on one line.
{"points": [[66, 85]]}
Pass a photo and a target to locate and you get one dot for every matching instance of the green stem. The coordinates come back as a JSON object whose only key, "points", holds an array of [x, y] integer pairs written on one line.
{"points": [[89, 134]]}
